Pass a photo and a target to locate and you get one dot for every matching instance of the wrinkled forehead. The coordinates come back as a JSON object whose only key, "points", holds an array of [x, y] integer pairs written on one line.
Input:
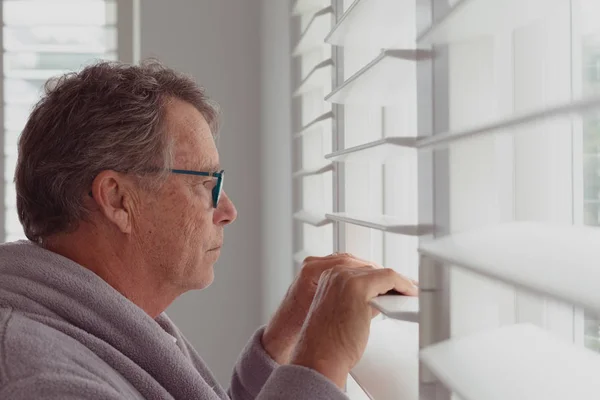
{"points": [[194, 144]]}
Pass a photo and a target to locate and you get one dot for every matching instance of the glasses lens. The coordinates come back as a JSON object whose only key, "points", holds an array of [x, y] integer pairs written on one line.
{"points": [[217, 190]]}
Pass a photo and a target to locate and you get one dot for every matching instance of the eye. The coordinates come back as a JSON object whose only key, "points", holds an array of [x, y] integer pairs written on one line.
{"points": [[209, 184], [202, 186]]}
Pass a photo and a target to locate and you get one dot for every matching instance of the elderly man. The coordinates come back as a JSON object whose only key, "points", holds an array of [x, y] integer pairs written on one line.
{"points": [[120, 192]]}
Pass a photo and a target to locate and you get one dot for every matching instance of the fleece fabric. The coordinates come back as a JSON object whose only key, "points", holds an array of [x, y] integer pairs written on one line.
{"points": [[66, 334]]}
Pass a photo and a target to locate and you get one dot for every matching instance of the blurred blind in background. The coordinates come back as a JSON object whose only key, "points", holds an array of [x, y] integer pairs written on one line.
{"points": [[590, 52], [43, 39]]}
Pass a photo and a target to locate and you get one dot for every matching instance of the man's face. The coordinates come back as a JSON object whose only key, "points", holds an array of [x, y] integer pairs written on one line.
{"points": [[178, 228]]}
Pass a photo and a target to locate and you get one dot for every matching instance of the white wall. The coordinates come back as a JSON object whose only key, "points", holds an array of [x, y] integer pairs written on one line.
{"points": [[218, 42], [276, 152]]}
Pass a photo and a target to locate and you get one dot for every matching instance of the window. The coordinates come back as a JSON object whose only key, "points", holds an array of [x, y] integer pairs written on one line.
{"points": [[472, 140], [43, 39], [588, 44], [349, 201]]}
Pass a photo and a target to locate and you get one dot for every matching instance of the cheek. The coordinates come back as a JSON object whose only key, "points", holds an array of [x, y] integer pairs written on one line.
{"points": [[196, 224], [184, 219], [165, 225]]}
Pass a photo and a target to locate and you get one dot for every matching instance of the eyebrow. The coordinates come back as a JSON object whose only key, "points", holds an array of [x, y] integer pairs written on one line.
{"points": [[214, 168], [208, 168]]}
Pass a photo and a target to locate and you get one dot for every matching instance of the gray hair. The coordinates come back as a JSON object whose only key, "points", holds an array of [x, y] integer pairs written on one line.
{"points": [[109, 116]]}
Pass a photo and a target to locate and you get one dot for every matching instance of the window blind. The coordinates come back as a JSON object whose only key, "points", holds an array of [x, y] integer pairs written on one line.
{"points": [[42, 39], [588, 49], [353, 126], [456, 141]]}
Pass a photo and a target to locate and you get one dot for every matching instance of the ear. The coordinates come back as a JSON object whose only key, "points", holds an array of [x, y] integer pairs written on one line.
{"points": [[112, 193]]}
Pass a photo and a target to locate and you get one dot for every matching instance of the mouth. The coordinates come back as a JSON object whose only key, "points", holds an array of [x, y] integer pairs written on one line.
{"points": [[215, 248]]}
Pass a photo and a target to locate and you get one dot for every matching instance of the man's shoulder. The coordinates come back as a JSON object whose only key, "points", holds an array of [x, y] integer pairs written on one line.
{"points": [[29, 348]]}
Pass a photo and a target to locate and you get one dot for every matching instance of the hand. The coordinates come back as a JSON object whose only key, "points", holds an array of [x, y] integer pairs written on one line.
{"points": [[283, 331], [336, 330]]}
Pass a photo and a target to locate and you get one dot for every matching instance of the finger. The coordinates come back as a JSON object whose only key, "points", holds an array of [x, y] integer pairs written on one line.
{"points": [[324, 263], [415, 286], [381, 281], [347, 256], [352, 261], [335, 255], [374, 312], [367, 262]]}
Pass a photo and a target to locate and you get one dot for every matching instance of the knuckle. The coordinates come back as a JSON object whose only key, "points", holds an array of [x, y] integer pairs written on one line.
{"points": [[326, 274], [313, 266], [348, 260], [339, 270], [354, 285], [334, 273], [328, 277], [309, 263], [343, 256], [308, 270], [338, 275], [389, 273]]}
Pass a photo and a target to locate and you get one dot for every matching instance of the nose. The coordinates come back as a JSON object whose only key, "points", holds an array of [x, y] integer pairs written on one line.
{"points": [[225, 213]]}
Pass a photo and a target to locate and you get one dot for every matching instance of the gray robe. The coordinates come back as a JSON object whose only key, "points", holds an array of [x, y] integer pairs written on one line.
{"points": [[66, 334]]}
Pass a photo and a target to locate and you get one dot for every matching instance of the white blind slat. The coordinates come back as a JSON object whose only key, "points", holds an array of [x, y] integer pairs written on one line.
{"points": [[469, 19], [56, 48], [560, 261], [321, 120], [515, 362], [376, 24], [314, 33], [27, 61], [33, 74], [403, 308], [562, 110], [381, 223], [381, 81], [312, 218], [318, 78], [55, 38], [381, 150], [393, 346], [307, 6], [315, 171], [33, 13]]}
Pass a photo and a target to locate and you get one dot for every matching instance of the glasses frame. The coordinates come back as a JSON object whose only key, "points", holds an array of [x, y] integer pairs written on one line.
{"points": [[216, 191]]}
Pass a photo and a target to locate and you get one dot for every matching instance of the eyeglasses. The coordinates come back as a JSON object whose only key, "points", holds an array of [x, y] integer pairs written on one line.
{"points": [[216, 191]]}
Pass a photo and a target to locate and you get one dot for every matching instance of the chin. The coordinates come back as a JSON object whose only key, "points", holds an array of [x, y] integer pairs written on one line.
{"points": [[200, 274], [210, 279], [204, 278]]}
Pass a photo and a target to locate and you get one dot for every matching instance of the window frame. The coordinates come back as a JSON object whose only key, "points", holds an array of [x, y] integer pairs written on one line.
{"points": [[128, 50], [508, 155]]}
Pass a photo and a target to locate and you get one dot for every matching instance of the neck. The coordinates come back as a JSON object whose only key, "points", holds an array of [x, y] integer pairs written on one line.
{"points": [[119, 263]]}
